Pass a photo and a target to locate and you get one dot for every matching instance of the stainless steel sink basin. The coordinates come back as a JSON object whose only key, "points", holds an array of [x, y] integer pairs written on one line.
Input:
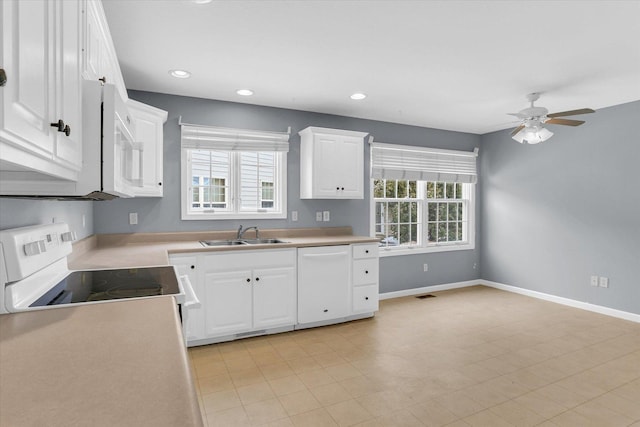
{"points": [[262, 241], [222, 242], [236, 242]]}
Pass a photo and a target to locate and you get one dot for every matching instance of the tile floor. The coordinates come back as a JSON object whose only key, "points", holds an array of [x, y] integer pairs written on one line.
{"points": [[469, 357]]}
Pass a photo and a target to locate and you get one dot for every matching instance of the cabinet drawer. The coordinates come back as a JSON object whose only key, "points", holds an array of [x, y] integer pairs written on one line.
{"points": [[365, 299], [365, 271], [365, 251]]}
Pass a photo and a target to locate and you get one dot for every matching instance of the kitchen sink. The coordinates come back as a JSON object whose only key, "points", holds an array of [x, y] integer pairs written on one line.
{"points": [[223, 242], [262, 241], [236, 242]]}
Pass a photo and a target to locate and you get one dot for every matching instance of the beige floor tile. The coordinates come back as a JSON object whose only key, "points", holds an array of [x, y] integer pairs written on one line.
{"points": [[276, 370], [229, 417], [316, 378], [470, 356], [316, 418], [486, 418], [287, 385], [396, 419], [220, 400], [299, 402], [329, 394], [265, 411], [348, 413], [432, 414], [284, 422], [255, 393]]}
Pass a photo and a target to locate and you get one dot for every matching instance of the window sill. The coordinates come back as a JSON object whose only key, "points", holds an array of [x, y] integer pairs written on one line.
{"points": [[415, 250], [247, 215]]}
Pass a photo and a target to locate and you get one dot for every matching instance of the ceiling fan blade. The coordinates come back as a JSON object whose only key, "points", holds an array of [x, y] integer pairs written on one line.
{"points": [[572, 112], [516, 130], [566, 122]]}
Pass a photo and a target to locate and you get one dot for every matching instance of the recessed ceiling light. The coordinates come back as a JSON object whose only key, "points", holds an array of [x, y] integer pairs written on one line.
{"points": [[202, 1], [358, 96], [181, 74], [244, 92]]}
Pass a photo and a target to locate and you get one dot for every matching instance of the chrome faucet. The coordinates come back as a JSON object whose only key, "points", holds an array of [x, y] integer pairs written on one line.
{"points": [[241, 231]]}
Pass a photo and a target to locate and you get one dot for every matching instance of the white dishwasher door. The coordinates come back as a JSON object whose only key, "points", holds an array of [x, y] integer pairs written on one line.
{"points": [[323, 283]]}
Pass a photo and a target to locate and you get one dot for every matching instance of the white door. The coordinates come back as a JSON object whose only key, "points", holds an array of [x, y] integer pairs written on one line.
{"points": [[323, 283], [228, 302], [274, 297], [325, 167], [349, 168]]}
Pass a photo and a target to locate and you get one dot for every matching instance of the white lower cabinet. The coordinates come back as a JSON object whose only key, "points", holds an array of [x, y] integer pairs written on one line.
{"points": [[323, 283], [253, 292], [242, 293]]}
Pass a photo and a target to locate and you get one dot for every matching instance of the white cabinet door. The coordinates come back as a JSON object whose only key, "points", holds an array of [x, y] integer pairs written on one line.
{"points": [[149, 123], [323, 283], [274, 297], [40, 55], [331, 164], [193, 316], [228, 302]]}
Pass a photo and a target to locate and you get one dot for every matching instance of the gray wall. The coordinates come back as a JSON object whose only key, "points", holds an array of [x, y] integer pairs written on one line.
{"points": [[555, 213], [23, 212], [163, 214]]}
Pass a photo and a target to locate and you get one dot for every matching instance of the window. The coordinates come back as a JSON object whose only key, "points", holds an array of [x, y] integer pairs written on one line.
{"points": [[229, 173], [422, 215]]}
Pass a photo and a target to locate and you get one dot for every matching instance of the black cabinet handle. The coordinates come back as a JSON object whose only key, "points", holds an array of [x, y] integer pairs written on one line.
{"points": [[59, 124], [248, 280], [325, 310], [67, 130], [366, 251], [342, 188], [159, 183], [193, 267], [103, 79], [257, 279], [367, 298], [366, 272], [337, 188]]}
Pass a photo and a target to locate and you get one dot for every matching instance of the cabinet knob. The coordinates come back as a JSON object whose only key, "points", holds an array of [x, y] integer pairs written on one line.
{"points": [[337, 188], [366, 272], [103, 79], [159, 183], [193, 267], [257, 279], [366, 251], [248, 280], [67, 130], [325, 310], [342, 188], [59, 124], [366, 298]]}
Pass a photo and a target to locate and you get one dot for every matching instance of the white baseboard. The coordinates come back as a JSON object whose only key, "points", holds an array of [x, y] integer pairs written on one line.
{"points": [[564, 301], [427, 289], [535, 294]]}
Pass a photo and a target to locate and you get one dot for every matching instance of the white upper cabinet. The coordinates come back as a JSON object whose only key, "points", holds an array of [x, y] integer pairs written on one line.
{"points": [[149, 123], [331, 164], [41, 121], [99, 60]]}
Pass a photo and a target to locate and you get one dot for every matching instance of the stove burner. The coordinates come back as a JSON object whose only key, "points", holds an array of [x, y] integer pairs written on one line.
{"points": [[120, 292]]}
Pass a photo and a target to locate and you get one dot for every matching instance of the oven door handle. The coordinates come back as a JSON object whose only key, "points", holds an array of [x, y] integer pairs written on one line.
{"points": [[191, 299]]}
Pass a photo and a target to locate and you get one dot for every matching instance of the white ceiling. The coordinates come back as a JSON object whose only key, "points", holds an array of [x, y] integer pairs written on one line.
{"points": [[456, 65]]}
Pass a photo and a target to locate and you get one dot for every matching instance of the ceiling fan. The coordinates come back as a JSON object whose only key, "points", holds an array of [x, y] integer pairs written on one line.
{"points": [[531, 130]]}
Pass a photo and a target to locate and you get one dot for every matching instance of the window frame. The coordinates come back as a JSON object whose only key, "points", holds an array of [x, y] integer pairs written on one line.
{"points": [[234, 211], [469, 190]]}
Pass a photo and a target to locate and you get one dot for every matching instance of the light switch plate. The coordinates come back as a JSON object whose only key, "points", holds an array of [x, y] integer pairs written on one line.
{"points": [[604, 282], [133, 218]]}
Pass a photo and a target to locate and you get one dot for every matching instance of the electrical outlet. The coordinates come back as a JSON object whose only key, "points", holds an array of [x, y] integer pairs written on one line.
{"points": [[294, 215], [133, 218], [318, 216], [425, 267], [604, 282], [594, 280], [475, 265], [326, 216]]}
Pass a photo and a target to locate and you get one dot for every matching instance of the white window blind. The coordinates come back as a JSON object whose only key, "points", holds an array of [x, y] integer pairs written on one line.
{"points": [[228, 139], [391, 161]]}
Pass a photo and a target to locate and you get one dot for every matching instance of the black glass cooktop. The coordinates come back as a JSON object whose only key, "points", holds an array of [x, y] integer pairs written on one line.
{"points": [[102, 285]]}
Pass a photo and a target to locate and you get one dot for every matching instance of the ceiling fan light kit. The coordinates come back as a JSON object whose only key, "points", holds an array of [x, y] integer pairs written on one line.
{"points": [[531, 130]]}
